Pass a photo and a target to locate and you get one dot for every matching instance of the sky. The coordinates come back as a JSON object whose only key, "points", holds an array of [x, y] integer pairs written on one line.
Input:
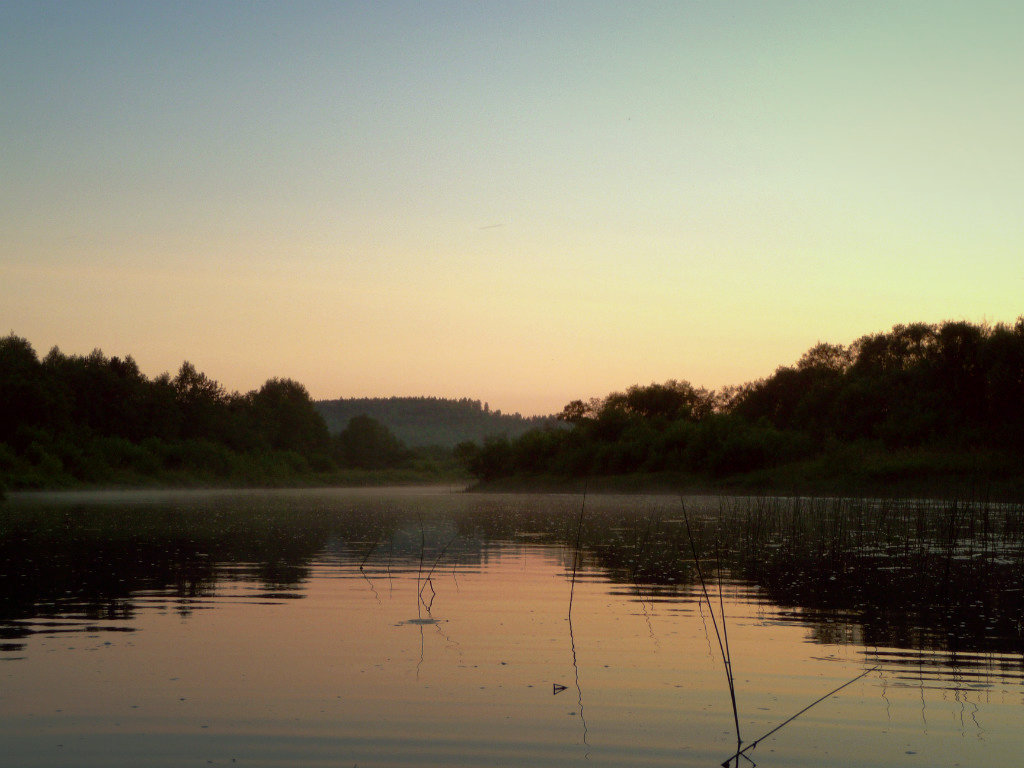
{"points": [[519, 202]]}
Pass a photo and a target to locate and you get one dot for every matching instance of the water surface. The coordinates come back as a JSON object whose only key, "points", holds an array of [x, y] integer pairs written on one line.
{"points": [[414, 627]]}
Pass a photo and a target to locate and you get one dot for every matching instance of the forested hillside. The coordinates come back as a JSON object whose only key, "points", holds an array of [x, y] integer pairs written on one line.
{"points": [[422, 421]]}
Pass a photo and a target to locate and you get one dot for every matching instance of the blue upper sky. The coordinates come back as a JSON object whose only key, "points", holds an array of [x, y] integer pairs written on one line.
{"points": [[520, 202]]}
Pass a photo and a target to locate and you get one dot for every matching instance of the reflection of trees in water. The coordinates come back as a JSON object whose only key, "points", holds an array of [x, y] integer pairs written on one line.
{"points": [[93, 563], [924, 576], [71, 565], [97, 563], [939, 577]]}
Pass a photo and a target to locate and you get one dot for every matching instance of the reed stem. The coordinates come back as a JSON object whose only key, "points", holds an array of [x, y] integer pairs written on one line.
{"points": [[723, 647], [742, 752]]}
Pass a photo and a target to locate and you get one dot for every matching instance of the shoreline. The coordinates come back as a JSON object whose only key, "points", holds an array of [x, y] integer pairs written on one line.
{"points": [[937, 486]]}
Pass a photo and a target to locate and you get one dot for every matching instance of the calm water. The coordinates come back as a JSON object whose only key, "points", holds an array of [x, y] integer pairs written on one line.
{"points": [[420, 628]]}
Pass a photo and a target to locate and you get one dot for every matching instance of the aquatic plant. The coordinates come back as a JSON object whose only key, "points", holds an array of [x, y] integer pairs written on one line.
{"points": [[723, 635]]}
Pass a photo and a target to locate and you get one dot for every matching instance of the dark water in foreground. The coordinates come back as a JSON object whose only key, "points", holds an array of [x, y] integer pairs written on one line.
{"points": [[420, 628]]}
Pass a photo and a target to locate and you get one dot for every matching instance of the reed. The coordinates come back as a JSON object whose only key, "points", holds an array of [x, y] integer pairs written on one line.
{"points": [[722, 636], [572, 635], [576, 552], [743, 752], [427, 579], [419, 572], [845, 531]]}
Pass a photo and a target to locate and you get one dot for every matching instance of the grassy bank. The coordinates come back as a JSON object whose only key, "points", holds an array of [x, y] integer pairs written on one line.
{"points": [[845, 471], [268, 473], [52, 464]]}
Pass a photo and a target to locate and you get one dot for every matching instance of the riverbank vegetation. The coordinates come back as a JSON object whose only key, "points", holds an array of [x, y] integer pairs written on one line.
{"points": [[918, 410], [70, 420], [921, 406]]}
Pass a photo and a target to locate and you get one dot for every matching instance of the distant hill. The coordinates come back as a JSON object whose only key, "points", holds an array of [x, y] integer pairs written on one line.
{"points": [[419, 421]]}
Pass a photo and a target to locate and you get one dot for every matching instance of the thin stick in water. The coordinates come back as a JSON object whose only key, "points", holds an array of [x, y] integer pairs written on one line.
{"points": [[755, 742]]}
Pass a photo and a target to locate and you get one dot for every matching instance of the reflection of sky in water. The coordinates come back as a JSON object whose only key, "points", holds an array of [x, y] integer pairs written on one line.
{"points": [[424, 629]]}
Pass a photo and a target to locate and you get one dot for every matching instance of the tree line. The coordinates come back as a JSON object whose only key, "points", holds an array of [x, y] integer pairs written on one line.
{"points": [[67, 419], [953, 386]]}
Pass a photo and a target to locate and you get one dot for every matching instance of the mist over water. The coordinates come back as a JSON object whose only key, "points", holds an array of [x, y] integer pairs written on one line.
{"points": [[416, 627]]}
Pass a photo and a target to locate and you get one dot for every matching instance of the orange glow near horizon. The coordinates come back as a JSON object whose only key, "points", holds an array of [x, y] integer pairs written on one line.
{"points": [[518, 207]]}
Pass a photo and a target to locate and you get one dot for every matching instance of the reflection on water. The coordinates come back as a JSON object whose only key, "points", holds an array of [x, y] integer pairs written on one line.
{"points": [[416, 627]]}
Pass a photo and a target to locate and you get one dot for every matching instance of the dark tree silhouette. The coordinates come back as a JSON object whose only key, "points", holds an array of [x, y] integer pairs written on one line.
{"points": [[367, 444]]}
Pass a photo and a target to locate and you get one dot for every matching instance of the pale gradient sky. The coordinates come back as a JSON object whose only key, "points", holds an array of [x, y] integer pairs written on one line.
{"points": [[523, 203]]}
